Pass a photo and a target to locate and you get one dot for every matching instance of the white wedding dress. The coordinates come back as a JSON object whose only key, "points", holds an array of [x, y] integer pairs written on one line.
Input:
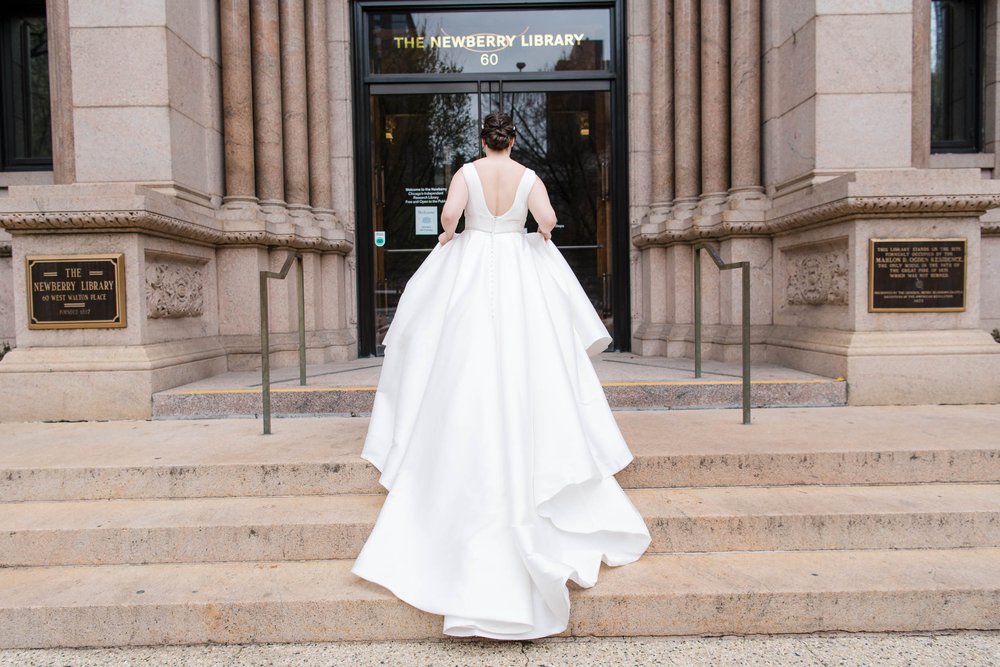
{"points": [[493, 436]]}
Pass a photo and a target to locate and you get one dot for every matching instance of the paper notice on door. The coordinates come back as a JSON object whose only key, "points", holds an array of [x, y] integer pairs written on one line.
{"points": [[427, 220]]}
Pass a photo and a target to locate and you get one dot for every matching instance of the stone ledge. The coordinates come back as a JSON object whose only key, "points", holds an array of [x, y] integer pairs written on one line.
{"points": [[99, 359], [864, 194], [134, 208]]}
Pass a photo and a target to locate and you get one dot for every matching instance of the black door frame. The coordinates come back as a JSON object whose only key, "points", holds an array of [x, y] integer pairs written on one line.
{"points": [[362, 88]]}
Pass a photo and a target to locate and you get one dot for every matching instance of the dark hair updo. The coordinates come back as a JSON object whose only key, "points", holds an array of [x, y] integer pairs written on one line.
{"points": [[498, 131]]}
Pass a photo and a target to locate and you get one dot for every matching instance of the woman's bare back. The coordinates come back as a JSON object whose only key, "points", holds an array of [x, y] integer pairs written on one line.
{"points": [[500, 179]]}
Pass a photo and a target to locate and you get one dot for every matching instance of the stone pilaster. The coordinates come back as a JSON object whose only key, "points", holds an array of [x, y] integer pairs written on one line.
{"points": [[319, 106], [714, 101], [237, 98], [61, 91], [920, 141], [745, 97], [294, 107], [687, 105], [268, 145], [662, 106]]}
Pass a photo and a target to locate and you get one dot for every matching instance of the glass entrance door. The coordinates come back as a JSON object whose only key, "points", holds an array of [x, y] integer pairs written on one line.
{"points": [[564, 136], [418, 141]]}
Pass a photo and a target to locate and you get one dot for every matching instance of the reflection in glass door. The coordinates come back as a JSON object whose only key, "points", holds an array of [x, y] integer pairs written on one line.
{"points": [[564, 137], [419, 140]]}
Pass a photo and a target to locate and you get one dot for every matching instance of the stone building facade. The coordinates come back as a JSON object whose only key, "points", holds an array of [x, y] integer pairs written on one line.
{"points": [[202, 141]]}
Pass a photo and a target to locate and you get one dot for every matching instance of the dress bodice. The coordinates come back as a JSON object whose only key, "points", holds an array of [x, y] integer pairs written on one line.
{"points": [[477, 212]]}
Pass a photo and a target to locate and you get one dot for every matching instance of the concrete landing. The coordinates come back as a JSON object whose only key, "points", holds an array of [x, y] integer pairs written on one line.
{"points": [[631, 382]]}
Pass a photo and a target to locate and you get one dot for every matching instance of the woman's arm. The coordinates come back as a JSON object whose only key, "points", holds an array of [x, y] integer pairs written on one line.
{"points": [[541, 208], [454, 204]]}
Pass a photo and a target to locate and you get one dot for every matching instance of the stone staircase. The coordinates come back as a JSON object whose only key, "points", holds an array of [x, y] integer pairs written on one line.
{"points": [[854, 519]]}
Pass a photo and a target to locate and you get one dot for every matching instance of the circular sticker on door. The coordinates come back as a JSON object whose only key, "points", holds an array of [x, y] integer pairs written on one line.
{"points": [[379, 239]]}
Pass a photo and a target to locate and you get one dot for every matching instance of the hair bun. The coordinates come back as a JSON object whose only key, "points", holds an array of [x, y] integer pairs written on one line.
{"points": [[498, 131]]}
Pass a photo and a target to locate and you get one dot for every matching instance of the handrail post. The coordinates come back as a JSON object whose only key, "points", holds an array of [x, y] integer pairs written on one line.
{"points": [[697, 312], [300, 280], [746, 341], [265, 354], [745, 276], [265, 335]]}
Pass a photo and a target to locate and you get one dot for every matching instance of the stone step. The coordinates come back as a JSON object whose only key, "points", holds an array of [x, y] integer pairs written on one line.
{"points": [[642, 395], [331, 527], [319, 456], [667, 594]]}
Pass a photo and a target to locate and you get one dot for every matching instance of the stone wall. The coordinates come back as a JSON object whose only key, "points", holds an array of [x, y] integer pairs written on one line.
{"points": [[205, 141], [151, 71], [844, 156], [147, 164]]}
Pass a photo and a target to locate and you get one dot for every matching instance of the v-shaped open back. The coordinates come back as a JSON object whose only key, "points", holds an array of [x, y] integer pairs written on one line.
{"points": [[478, 208]]}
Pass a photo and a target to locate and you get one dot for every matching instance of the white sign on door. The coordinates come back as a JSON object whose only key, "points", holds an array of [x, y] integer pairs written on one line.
{"points": [[427, 220]]}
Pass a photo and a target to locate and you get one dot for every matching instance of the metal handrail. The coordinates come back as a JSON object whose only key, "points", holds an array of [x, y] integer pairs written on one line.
{"points": [[265, 336], [723, 266]]}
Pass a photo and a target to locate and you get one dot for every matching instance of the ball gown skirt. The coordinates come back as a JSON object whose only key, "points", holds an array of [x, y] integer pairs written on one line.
{"points": [[494, 438]]}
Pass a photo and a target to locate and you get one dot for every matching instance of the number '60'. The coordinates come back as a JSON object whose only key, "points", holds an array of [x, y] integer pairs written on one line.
{"points": [[488, 59]]}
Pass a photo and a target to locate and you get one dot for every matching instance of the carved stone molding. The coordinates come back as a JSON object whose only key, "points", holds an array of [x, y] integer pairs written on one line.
{"points": [[845, 208], [817, 278], [991, 228], [162, 225], [174, 290], [898, 206]]}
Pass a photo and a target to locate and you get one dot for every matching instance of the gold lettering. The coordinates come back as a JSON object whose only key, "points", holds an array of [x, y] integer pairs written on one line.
{"points": [[55, 286], [96, 285]]}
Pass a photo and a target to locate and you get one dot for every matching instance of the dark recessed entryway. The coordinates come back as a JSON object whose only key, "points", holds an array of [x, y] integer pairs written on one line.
{"points": [[427, 73]]}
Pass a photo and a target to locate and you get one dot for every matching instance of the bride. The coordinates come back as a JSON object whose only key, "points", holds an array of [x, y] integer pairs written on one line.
{"points": [[490, 428]]}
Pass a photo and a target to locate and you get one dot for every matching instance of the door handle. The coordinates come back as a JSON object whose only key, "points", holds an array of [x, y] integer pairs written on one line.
{"points": [[605, 180]]}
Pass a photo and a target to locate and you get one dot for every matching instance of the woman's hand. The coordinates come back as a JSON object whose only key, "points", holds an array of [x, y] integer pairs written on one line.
{"points": [[444, 237], [545, 234]]}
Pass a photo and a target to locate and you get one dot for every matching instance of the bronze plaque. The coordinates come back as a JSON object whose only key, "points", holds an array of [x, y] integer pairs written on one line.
{"points": [[76, 292], [916, 275]]}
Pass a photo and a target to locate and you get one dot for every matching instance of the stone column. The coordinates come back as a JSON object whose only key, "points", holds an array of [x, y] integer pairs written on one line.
{"points": [[714, 100], [266, 54], [687, 106], [319, 109], [237, 98], [745, 59], [294, 106], [662, 97]]}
